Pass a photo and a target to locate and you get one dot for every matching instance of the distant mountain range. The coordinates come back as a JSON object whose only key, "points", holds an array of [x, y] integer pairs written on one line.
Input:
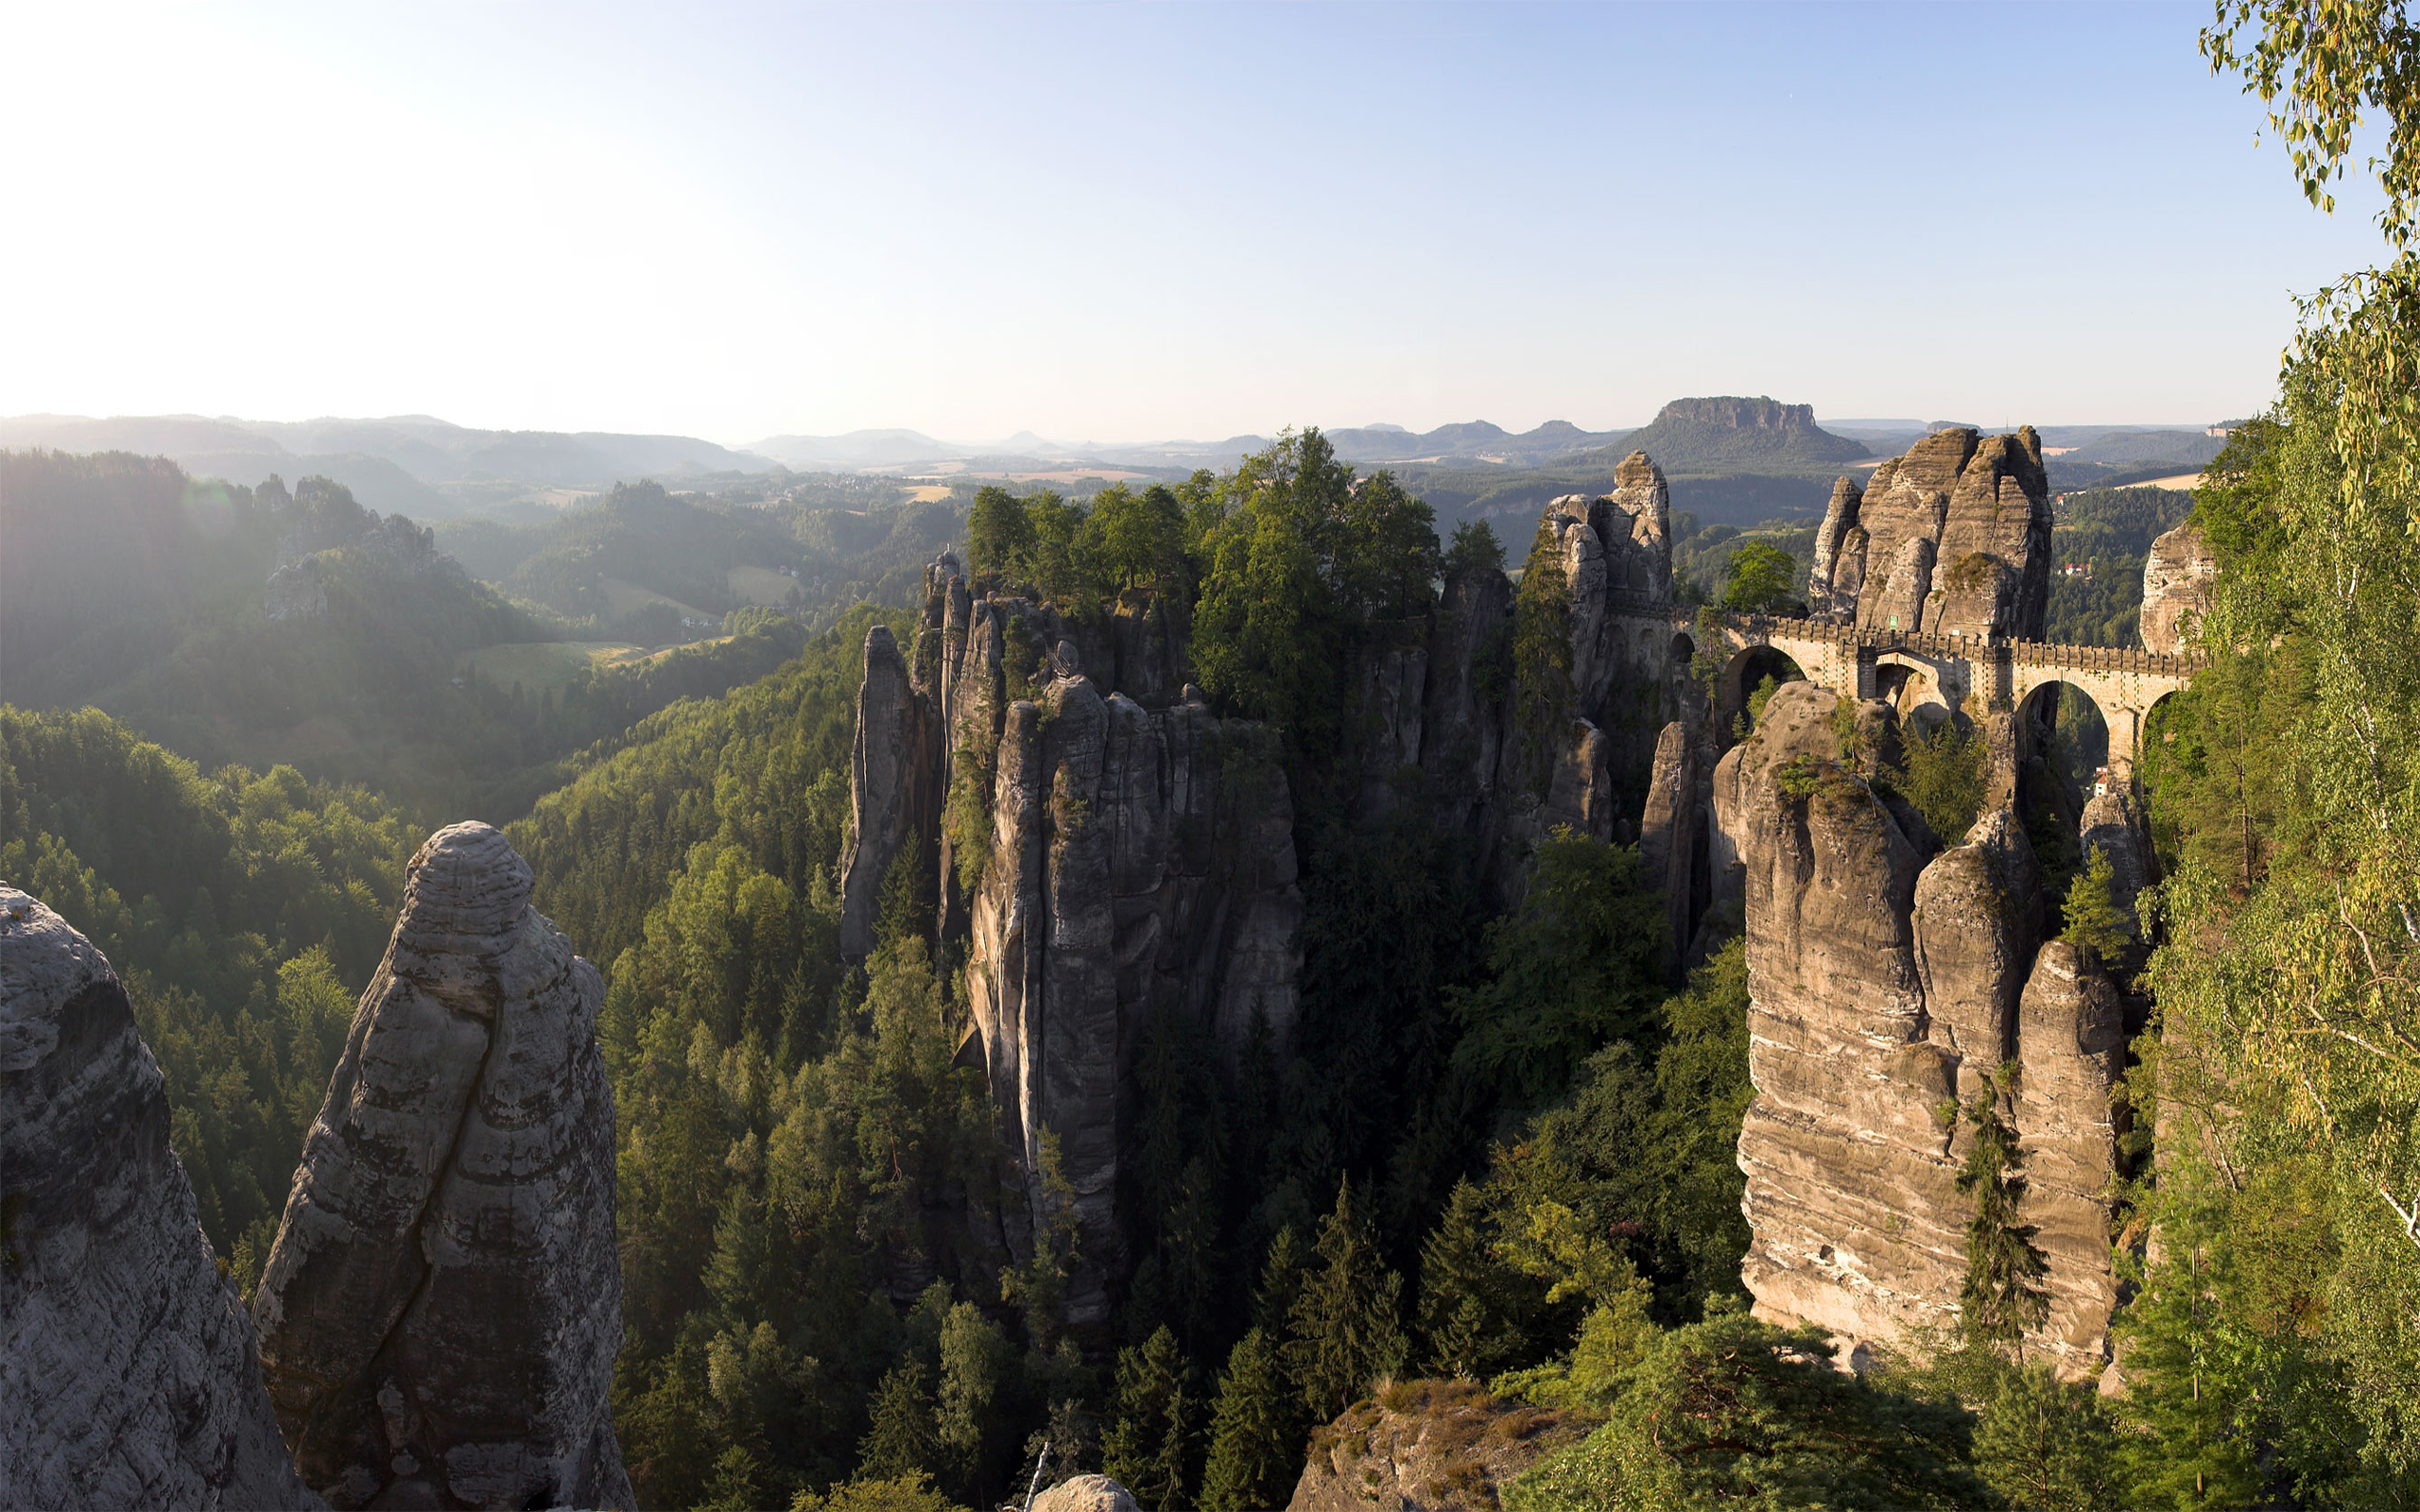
{"points": [[423, 466], [433, 470], [1368, 445]]}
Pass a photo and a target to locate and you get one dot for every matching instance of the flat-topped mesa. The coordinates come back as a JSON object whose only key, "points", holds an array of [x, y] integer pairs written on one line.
{"points": [[439, 1314], [1952, 537], [127, 1368], [1886, 985]]}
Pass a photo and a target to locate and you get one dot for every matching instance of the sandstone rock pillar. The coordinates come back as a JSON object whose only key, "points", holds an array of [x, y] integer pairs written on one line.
{"points": [[441, 1312]]}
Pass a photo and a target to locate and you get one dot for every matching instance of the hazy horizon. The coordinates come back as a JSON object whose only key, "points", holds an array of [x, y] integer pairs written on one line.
{"points": [[1128, 225]]}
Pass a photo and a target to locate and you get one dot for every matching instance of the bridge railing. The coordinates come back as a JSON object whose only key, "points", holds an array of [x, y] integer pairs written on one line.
{"points": [[1962, 647]]}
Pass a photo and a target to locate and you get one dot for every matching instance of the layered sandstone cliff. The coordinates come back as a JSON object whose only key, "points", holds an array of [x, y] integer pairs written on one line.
{"points": [[1887, 986], [1110, 848], [126, 1376], [439, 1315], [1951, 538], [1105, 862], [2176, 588]]}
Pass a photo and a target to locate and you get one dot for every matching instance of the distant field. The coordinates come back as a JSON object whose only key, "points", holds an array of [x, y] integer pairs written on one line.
{"points": [[537, 664], [929, 493], [622, 597], [2186, 481], [761, 585]]}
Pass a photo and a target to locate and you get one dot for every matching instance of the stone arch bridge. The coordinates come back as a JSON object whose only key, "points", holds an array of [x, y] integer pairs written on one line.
{"points": [[1928, 676]]}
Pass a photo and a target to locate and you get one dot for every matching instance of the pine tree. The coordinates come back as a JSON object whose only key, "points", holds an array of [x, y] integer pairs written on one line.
{"points": [[903, 1440], [2043, 1443], [2097, 923], [1347, 1324], [1461, 1321], [2002, 1296], [1150, 1444], [1281, 1283], [1256, 1436]]}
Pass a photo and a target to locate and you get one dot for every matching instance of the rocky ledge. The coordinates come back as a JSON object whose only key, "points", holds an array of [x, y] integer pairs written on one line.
{"points": [[126, 1360]]}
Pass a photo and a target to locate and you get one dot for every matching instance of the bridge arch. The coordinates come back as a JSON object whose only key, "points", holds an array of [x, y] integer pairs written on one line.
{"points": [[1743, 673], [2064, 760], [1923, 695]]}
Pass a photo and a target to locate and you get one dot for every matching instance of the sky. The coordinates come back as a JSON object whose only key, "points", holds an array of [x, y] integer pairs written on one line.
{"points": [[1138, 222]]}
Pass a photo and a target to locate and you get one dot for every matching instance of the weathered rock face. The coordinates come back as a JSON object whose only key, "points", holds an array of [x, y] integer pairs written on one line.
{"points": [[1140, 862], [1978, 915], [1668, 831], [1953, 538], [1427, 1446], [1085, 1493], [892, 792], [2176, 588], [2072, 1045], [1838, 571], [296, 592], [1885, 987], [439, 1315], [127, 1369]]}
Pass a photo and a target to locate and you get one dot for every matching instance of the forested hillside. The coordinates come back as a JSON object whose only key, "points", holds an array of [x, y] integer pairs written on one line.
{"points": [[642, 564], [128, 585], [245, 912], [2107, 533]]}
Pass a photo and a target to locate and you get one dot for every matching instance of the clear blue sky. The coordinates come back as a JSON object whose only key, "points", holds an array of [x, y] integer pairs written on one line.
{"points": [[1117, 221]]}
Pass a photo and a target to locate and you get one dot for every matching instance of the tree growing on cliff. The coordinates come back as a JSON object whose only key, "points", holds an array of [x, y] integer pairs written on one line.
{"points": [[2097, 923], [903, 1438], [1945, 775], [1148, 1447], [1347, 1320], [1256, 1436], [1578, 965], [1465, 1292], [2002, 1294], [1732, 1411]]}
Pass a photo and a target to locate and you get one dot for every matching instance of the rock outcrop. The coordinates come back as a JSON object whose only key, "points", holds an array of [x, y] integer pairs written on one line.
{"points": [[1427, 1446], [1886, 987], [1667, 831], [296, 592], [1085, 1493], [1953, 538], [126, 1370], [1139, 862], [439, 1315], [892, 799], [2071, 1046], [2176, 588]]}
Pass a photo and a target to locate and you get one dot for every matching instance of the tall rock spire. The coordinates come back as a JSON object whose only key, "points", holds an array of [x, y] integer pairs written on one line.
{"points": [[439, 1315]]}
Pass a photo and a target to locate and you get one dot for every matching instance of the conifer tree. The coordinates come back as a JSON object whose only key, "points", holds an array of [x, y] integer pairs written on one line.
{"points": [[1148, 1447], [2002, 1296], [903, 1440], [1256, 1436], [1281, 1283], [1347, 1323], [2096, 923], [1462, 1319]]}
